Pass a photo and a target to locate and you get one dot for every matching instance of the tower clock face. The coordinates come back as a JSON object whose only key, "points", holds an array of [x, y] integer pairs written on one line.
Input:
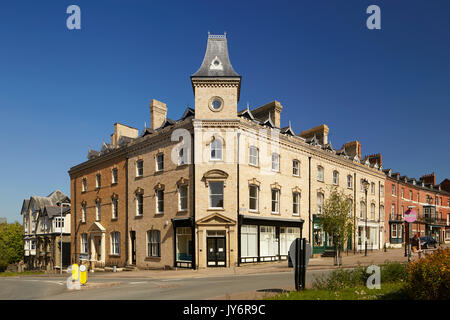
{"points": [[216, 104]]}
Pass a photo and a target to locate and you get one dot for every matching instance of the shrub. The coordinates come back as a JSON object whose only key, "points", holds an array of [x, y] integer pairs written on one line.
{"points": [[341, 278], [393, 271], [429, 277]]}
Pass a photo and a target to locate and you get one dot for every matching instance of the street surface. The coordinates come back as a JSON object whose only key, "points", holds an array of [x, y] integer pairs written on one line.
{"points": [[126, 288]]}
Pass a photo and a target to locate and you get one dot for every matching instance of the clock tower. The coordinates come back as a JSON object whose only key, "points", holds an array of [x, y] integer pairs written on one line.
{"points": [[216, 85]]}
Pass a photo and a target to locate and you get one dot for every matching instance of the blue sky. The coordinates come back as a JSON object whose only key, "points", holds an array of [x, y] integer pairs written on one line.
{"points": [[61, 90]]}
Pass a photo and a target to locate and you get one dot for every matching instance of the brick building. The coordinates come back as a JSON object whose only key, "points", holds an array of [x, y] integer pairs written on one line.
{"points": [[218, 187], [99, 207], [429, 200]]}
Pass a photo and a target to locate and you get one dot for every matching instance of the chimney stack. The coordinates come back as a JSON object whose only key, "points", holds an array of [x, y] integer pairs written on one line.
{"points": [[158, 112], [272, 109], [321, 133], [121, 130], [429, 178], [375, 158], [353, 148]]}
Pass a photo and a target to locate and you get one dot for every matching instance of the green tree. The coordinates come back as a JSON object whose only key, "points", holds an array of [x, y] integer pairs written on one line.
{"points": [[336, 220], [11, 244]]}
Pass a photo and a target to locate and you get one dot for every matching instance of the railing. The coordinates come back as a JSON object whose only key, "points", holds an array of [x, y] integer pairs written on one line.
{"points": [[434, 220], [396, 217]]}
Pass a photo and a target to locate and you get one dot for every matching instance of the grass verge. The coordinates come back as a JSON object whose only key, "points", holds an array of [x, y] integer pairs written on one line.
{"points": [[388, 291]]}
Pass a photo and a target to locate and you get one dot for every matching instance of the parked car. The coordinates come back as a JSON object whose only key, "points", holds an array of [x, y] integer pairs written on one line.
{"points": [[426, 242]]}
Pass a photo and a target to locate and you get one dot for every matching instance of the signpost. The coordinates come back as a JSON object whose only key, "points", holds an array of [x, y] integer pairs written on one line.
{"points": [[299, 252], [410, 216]]}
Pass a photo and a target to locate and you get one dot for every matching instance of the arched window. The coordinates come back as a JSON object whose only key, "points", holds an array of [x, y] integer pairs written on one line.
{"points": [[216, 149], [320, 173], [350, 207], [319, 202], [335, 177], [362, 209]]}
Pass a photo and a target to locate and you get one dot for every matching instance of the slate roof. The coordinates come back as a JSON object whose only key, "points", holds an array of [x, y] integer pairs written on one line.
{"points": [[52, 211], [52, 199], [216, 62]]}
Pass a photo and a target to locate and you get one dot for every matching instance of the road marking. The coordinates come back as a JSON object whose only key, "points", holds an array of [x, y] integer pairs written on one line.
{"points": [[138, 282]]}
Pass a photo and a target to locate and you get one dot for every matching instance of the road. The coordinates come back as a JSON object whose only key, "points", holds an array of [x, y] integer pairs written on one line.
{"points": [[117, 288]]}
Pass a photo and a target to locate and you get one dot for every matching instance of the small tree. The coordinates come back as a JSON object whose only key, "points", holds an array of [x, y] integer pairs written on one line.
{"points": [[11, 244], [336, 220]]}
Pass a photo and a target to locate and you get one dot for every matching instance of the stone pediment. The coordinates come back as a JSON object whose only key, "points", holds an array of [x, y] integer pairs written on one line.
{"points": [[216, 219], [96, 227]]}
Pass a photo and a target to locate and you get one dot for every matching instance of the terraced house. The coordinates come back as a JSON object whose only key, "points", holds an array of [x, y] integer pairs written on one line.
{"points": [[220, 187], [431, 202]]}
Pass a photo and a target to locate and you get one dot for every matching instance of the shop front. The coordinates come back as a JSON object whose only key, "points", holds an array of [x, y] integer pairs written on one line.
{"points": [[266, 239]]}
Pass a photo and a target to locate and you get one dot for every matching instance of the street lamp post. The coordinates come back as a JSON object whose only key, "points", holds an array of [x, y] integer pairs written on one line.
{"points": [[366, 187], [62, 204]]}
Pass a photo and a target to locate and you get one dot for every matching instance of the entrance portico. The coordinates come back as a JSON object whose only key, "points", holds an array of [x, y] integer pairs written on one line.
{"points": [[216, 238], [97, 247]]}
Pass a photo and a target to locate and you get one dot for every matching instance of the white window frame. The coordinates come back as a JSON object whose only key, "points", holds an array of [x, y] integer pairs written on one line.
{"points": [[181, 157], [160, 162], [320, 173], [139, 167], [218, 194], [114, 173], [256, 199], [216, 146], [115, 208], [84, 185], [275, 201], [296, 168], [182, 196], [335, 177], [115, 243], [98, 210], [295, 203], [83, 212], [84, 243], [98, 180], [275, 162], [139, 204], [159, 201], [152, 242], [320, 199], [349, 182], [394, 230], [253, 156]]}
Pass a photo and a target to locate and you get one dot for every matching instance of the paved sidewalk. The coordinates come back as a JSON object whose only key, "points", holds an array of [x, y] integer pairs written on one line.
{"points": [[348, 261]]}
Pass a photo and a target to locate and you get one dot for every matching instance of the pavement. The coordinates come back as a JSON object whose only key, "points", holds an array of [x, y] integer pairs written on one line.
{"points": [[348, 260], [247, 282]]}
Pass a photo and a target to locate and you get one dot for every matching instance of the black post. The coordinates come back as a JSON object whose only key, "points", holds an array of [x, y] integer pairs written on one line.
{"points": [[303, 263], [300, 263]]}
